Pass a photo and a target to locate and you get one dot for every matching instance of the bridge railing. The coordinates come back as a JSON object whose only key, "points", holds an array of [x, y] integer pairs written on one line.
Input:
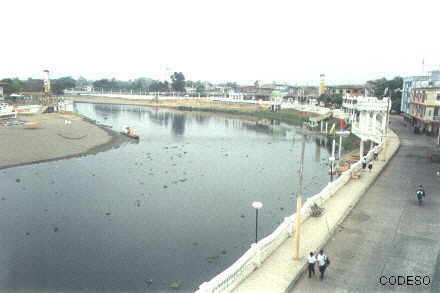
{"points": [[259, 252]]}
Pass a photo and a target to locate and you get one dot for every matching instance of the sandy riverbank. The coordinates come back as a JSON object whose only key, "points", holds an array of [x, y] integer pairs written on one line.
{"points": [[49, 138]]}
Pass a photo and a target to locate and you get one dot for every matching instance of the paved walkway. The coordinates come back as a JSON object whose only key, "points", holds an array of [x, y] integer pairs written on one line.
{"points": [[279, 272], [387, 233]]}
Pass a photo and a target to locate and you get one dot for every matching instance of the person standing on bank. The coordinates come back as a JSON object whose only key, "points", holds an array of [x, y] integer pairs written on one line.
{"points": [[323, 262], [375, 154], [311, 260]]}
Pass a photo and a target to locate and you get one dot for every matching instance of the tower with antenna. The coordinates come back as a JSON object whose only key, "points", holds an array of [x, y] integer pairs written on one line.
{"points": [[47, 99], [321, 84]]}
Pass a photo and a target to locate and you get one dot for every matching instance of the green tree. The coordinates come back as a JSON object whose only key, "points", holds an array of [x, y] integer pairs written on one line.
{"points": [[11, 86], [394, 90], [178, 81], [59, 85]]}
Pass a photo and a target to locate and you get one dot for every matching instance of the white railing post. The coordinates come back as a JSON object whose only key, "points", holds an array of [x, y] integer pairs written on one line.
{"points": [[257, 256], [204, 288], [289, 226]]}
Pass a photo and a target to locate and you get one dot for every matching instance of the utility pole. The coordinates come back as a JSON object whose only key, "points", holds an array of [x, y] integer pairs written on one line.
{"points": [[387, 121], [298, 204]]}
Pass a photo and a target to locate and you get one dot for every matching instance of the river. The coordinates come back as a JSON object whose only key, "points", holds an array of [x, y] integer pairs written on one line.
{"points": [[173, 208]]}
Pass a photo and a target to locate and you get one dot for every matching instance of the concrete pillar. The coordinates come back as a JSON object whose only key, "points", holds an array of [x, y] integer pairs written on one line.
{"points": [[326, 127], [322, 125], [340, 146], [333, 148], [361, 149]]}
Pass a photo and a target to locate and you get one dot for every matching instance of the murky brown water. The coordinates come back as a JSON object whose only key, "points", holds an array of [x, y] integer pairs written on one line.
{"points": [[175, 207]]}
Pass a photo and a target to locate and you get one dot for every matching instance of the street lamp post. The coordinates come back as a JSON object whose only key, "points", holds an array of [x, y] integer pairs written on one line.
{"points": [[331, 159], [256, 205]]}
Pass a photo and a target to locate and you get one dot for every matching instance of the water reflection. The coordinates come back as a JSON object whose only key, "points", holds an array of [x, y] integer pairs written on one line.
{"points": [[178, 125]]}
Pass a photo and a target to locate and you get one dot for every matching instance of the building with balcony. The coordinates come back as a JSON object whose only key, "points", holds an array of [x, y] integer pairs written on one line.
{"points": [[424, 109], [421, 102], [364, 90]]}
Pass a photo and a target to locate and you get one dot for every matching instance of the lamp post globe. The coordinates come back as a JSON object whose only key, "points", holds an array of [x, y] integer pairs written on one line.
{"points": [[256, 205]]}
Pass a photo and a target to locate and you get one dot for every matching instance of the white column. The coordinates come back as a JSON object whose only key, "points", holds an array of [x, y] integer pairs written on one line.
{"points": [[361, 150], [333, 148], [326, 127], [322, 125], [340, 146]]}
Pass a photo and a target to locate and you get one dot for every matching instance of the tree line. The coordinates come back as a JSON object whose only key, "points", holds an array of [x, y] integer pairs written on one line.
{"points": [[177, 83]]}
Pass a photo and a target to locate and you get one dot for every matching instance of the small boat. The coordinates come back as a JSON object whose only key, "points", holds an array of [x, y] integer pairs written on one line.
{"points": [[129, 132], [134, 136]]}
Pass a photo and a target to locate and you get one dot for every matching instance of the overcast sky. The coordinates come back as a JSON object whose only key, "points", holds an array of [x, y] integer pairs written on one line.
{"points": [[287, 41]]}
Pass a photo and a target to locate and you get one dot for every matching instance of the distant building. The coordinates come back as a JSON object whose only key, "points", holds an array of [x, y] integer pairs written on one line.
{"points": [[421, 101], [365, 90], [253, 92], [232, 94], [304, 93], [190, 90]]}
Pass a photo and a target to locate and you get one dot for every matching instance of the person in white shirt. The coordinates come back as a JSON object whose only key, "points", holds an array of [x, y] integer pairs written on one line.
{"points": [[323, 262], [364, 163], [311, 260]]}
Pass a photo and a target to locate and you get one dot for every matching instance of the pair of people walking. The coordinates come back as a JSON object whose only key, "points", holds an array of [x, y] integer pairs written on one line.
{"points": [[365, 163], [320, 260]]}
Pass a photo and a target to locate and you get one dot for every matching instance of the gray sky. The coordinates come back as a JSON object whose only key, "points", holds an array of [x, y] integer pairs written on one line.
{"points": [[239, 40]]}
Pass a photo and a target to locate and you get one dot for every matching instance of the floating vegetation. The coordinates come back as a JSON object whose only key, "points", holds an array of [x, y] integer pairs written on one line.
{"points": [[175, 285], [55, 229], [108, 213], [3, 198], [149, 281], [212, 258], [17, 180], [223, 252], [242, 216], [28, 234], [183, 180], [195, 243], [165, 186], [138, 203]]}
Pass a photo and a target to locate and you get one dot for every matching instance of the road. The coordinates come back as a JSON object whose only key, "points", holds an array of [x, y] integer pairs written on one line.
{"points": [[387, 233]]}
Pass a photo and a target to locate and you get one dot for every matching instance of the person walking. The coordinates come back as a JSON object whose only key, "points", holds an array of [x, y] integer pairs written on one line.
{"points": [[311, 260], [364, 163], [375, 154], [370, 165], [323, 262]]}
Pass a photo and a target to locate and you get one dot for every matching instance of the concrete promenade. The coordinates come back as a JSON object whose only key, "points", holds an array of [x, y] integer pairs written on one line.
{"points": [[279, 272], [387, 233]]}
